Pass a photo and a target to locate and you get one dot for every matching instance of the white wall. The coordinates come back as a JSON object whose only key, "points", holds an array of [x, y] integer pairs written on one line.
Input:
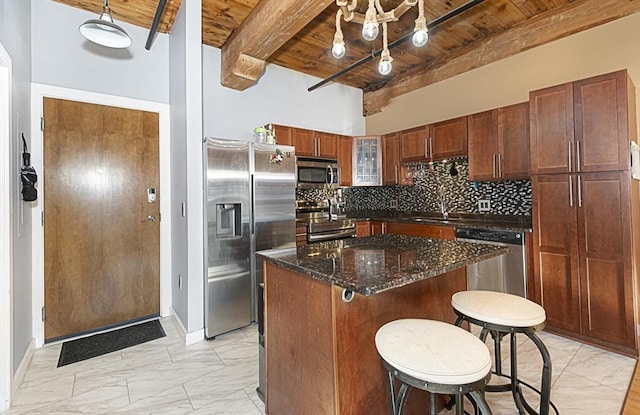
{"points": [[187, 159], [279, 97], [603, 49], [15, 35], [62, 57]]}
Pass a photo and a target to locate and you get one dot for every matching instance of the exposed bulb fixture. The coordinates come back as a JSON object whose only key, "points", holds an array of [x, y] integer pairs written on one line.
{"points": [[385, 66], [339, 49], [104, 32], [371, 21], [370, 27], [420, 38], [420, 33]]}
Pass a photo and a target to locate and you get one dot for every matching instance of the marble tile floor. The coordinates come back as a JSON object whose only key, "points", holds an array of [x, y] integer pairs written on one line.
{"points": [[220, 377], [158, 377], [584, 379]]}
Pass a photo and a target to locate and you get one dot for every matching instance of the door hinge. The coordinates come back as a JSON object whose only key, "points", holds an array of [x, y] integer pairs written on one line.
{"points": [[43, 315], [41, 123], [42, 218]]}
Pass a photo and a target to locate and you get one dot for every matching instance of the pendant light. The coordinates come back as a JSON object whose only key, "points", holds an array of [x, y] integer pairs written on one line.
{"points": [[104, 32]]}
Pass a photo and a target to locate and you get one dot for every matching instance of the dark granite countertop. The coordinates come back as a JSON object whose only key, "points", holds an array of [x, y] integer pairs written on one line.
{"points": [[377, 263], [467, 220]]}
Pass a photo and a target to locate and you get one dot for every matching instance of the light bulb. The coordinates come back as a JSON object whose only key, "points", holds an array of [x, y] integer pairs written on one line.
{"points": [[370, 31], [338, 50], [420, 38], [384, 67]]}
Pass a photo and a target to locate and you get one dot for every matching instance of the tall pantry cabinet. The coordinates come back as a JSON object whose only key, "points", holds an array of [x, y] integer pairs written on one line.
{"points": [[586, 209]]}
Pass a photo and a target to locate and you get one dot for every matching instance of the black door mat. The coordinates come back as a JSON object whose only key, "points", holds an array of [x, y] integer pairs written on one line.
{"points": [[81, 349]]}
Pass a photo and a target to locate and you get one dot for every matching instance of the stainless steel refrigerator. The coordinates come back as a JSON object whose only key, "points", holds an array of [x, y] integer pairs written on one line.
{"points": [[250, 207]]}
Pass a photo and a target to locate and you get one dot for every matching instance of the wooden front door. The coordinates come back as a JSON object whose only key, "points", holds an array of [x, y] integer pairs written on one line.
{"points": [[101, 241]]}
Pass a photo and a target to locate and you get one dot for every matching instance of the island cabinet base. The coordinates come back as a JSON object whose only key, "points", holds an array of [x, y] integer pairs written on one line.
{"points": [[320, 352]]}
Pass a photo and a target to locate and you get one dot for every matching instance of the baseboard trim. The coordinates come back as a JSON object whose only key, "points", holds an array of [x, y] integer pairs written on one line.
{"points": [[18, 378], [189, 338]]}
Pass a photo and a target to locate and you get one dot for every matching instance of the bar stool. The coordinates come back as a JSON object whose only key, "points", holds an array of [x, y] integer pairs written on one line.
{"points": [[501, 314], [434, 356]]}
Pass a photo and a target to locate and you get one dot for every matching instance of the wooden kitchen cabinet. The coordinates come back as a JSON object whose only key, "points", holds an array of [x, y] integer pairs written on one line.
{"points": [[483, 145], [390, 159], [283, 134], [310, 143], [363, 228], [301, 234], [414, 144], [378, 227], [499, 143], [304, 141], [345, 161], [426, 231], [327, 145], [448, 139], [584, 250], [437, 141], [393, 172], [582, 126]]}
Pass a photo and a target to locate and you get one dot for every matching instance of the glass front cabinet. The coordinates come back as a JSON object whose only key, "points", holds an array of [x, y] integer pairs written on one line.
{"points": [[367, 161]]}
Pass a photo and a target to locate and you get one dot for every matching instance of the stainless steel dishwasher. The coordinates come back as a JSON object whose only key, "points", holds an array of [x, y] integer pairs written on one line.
{"points": [[505, 273]]}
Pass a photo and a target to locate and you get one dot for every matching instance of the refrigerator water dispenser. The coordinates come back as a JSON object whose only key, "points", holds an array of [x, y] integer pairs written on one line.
{"points": [[228, 220]]}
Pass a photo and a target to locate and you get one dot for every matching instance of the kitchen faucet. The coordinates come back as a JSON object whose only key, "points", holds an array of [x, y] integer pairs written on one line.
{"points": [[444, 208]]}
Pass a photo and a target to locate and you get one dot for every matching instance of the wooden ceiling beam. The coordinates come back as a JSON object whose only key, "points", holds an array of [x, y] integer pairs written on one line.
{"points": [[269, 26], [547, 27]]}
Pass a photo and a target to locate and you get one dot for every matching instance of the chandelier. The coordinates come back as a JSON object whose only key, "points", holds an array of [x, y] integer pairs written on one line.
{"points": [[371, 21]]}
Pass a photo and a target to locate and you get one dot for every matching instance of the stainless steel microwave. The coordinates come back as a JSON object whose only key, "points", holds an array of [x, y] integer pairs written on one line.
{"points": [[314, 173]]}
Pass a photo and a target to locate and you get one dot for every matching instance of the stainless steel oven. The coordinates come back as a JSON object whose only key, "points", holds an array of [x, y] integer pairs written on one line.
{"points": [[315, 173], [505, 273]]}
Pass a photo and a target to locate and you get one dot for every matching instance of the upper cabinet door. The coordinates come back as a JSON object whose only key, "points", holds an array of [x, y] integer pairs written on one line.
{"points": [[601, 123], [345, 159], [551, 117], [414, 144], [483, 145], [449, 138], [513, 141], [283, 135], [390, 159], [304, 141], [327, 145]]}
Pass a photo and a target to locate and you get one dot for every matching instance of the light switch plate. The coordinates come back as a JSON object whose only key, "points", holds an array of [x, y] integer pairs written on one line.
{"points": [[393, 203], [484, 205]]}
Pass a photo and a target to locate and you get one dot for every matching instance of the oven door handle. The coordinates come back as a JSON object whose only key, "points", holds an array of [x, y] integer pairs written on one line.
{"points": [[328, 236]]}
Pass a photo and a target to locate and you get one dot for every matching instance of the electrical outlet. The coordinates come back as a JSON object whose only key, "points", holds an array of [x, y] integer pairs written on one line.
{"points": [[484, 205], [393, 203]]}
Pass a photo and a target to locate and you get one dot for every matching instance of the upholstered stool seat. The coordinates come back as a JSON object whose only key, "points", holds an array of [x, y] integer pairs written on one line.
{"points": [[434, 356], [500, 314]]}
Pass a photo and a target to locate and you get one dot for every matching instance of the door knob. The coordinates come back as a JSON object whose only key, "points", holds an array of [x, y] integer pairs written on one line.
{"points": [[149, 218]]}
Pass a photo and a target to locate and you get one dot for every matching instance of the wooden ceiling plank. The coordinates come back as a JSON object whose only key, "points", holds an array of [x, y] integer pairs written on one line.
{"points": [[561, 22], [220, 18], [269, 26]]}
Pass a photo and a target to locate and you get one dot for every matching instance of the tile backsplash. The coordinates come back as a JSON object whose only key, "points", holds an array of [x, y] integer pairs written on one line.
{"points": [[460, 194]]}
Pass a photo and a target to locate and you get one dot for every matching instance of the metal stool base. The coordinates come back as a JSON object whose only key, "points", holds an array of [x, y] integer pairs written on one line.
{"points": [[497, 333], [474, 391]]}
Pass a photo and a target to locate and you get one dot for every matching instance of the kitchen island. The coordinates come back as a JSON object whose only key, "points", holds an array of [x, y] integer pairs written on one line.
{"points": [[324, 303]]}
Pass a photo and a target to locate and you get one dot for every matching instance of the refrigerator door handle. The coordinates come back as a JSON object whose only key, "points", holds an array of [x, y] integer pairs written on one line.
{"points": [[252, 216]]}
